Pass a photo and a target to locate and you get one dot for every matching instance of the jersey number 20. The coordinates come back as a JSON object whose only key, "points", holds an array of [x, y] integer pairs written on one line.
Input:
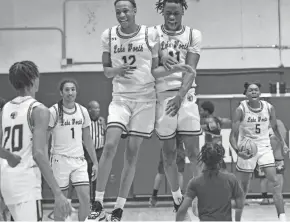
{"points": [[16, 134]]}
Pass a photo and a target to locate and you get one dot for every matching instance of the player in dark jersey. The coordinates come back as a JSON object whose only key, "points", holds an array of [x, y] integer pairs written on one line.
{"points": [[213, 188], [212, 125]]}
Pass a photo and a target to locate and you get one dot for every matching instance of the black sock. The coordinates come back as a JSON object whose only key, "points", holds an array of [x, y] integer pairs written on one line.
{"points": [[265, 195], [155, 193]]}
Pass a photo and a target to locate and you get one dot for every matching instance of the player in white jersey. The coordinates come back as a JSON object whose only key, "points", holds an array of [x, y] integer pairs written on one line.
{"points": [[251, 121], [23, 132], [70, 128], [177, 113], [129, 53]]}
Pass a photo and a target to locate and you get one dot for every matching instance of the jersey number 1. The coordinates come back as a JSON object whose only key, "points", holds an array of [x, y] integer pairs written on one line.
{"points": [[16, 133], [177, 55], [72, 132]]}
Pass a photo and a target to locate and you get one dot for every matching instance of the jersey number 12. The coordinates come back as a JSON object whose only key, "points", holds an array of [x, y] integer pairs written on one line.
{"points": [[16, 135]]}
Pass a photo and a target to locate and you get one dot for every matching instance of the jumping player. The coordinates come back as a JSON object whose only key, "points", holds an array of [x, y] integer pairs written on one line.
{"points": [[177, 111], [251, 121], [130, 52], [279, 160], [23, 132], [180, 162], [70, 128], [213, 188]]}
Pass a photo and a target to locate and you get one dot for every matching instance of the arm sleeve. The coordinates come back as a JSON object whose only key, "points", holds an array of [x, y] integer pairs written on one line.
{"points": [[105, 41], [195, 46], [87, 119]]}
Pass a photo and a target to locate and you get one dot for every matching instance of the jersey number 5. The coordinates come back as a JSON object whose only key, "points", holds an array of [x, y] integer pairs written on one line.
{"points": [[16, 134], [258, 129]]}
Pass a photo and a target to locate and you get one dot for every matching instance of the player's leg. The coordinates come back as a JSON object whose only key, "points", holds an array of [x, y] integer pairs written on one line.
{"points": [[27, 211], [180, 161], [166, 131], [245, 169], [157, 181], [189, 129], [80, 180], [93, 184], [141, 126], [280, 168], [118, 119], [61, 170], [267, 163]]}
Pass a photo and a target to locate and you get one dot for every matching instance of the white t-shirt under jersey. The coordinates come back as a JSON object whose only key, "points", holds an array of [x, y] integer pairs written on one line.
{"points": [[136, 49], [67, 136], [177, 44], [23, 182]]}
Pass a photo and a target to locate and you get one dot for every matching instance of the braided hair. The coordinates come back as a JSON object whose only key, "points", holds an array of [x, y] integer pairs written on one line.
{"points": [[22, 74], [60, 102], [131, 1], [211, 155], [247, 84], [161, 3]]}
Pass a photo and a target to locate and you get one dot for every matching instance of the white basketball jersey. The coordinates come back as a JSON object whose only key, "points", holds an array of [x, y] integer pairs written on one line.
{"points": [[136, 52], [255, 124], [23, 182], [67, 132], [174, 44]]}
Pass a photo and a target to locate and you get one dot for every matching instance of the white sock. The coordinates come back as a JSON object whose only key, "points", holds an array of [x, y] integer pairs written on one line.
{"points": [[99, 197], [69, 200], [282, 217], [120, 203], [177, 196]]}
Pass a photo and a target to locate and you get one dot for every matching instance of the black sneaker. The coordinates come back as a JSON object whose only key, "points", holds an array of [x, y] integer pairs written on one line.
{"points": [[116, 215], [97, 212]]}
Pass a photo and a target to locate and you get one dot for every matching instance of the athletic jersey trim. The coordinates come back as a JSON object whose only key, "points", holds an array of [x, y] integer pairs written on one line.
{"points": [[29, 112], [147, 40], [256, 110], [128, 36], [71, 112], [172, 33], [17, 103]]}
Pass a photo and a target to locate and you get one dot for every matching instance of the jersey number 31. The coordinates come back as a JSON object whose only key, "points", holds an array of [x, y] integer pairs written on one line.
{"points": [[14, 133]]}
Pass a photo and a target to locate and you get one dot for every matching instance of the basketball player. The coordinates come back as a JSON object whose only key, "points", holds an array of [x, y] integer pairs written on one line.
{"points": [[251, 121], [180, 162], [213, 188], [279, 161], [130, 51], [70, 127], [177, 111], [23, 130]]}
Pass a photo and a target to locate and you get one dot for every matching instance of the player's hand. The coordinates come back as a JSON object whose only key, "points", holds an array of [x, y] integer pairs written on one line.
{"points": [[63, 205], [182, 68], [286, 149], [94, 172], [173, 105], [13, 160], [168, 61], [125, 71]]}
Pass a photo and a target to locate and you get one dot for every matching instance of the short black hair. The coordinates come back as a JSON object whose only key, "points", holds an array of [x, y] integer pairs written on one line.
{"points": [[131, 1], [22, 74], [208, 106], [161, 3], [247, 84]]}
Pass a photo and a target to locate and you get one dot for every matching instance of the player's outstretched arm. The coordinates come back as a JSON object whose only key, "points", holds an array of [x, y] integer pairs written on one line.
{"points": [[238, 116]]}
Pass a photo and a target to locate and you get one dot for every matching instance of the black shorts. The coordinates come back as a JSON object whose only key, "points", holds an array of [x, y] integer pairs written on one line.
{"points": [[180, 161], [280, 168]]}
